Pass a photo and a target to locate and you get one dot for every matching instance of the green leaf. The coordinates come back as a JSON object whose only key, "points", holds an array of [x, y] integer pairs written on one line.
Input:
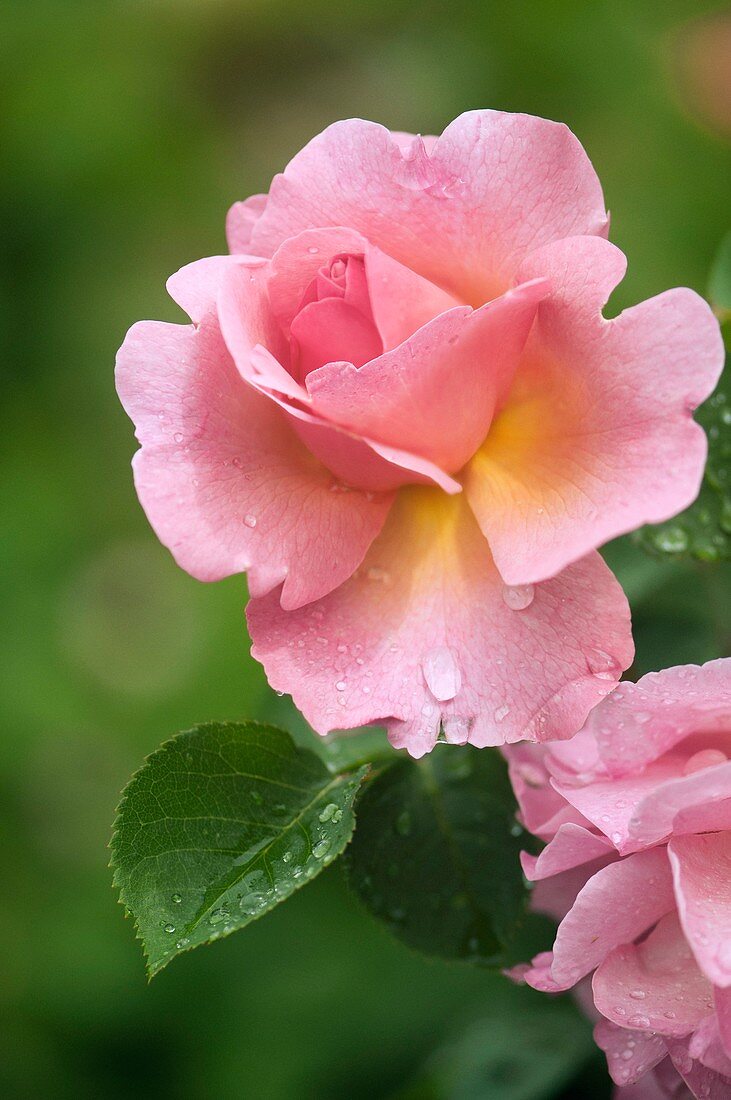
{"points": [[221, 824], [526, 1050], [703, 531], [436, 854], [719, 280]]}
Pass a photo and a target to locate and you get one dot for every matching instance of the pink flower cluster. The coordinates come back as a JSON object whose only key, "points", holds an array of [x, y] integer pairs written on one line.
{"points": [[399, 409], [636, 815]]}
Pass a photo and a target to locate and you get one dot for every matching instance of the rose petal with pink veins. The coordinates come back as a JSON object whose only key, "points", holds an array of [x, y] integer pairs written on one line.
{"points": [[630, 1054], [596, 923], [462, 211], [598, 414], [646, 719], [702, 874], [429, 588], [225, 482]]}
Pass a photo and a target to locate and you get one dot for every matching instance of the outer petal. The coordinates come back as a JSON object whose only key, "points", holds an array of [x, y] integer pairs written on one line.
{"points": [[555, 896], [653, 819], [609, 804], [595, 926], [572, 846], [600, 412], [435, 394], [423, 633], [706, 1045], [702, 874], [462, 213], [642, 721], [654, 986], [702, 1082], [542, 809], [240, 222], [224, 481], [630, 1054]]}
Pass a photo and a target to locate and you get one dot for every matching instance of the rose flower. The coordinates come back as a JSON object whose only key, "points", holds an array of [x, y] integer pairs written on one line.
{"points": [[400, 411], [636, 812]]}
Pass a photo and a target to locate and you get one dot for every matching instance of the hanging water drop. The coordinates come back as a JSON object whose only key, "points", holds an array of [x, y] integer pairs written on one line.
{"points": [[442, 674], [518, 596]]}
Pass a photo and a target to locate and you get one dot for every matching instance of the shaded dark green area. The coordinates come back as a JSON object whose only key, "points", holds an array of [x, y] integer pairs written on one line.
{"points": [[436, 855], [128, 126]]}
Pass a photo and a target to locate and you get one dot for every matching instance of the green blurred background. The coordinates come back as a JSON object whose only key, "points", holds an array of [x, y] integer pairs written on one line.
{"points": [[128, 128]]}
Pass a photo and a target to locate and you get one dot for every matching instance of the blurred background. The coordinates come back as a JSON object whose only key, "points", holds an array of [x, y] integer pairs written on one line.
{"points": [[129, 126]]}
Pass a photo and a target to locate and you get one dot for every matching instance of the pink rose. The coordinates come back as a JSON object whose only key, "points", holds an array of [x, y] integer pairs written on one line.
{"points": [[400, 410], [636, 810]]}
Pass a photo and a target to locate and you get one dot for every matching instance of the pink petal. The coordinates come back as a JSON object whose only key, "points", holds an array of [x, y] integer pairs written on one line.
{"points": [[641, 721], [630, 1054], [401, 300], [610, 804], [240, 222], [654, 986], [435, 394], [702, 1082], [554, 896], [653, 819], [538, 976], [224, 481], [702, 874], [715, 817], [652, 1087], [617, 905], [332, 329], [707, 1047], [462, 212], [542, 809], [600, 411], [424, 633], [571, 846]]}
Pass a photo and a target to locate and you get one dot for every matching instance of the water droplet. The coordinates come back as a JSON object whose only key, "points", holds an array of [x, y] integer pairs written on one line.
{"points": [[637, 994], [313, 250], [602, 665], [456, 729], [182, 943], [502, 712], [518, 596], [442, 675], [168, 927], [178, 437], [321, 848], [341, 685], [638, 1021], [218, 915], [249, 520], [288, 855], [329, 812], [177, 899]]}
